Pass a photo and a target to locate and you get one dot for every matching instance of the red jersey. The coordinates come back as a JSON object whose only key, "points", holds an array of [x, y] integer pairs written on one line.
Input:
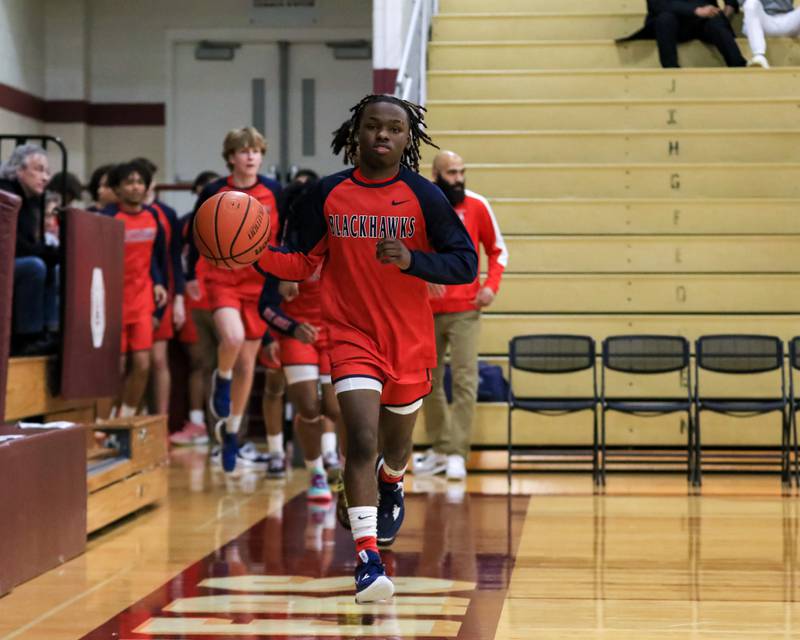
{"points": [[246, 282], [144, 261], [478, 218], [375, 307]]}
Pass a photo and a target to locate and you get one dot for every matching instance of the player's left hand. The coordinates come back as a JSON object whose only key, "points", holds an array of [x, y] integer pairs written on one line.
{"points": [[484, 298], [160, 295], [178, 312], [393, 251]]}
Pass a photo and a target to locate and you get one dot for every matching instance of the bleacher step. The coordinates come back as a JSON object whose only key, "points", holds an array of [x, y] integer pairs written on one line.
{"points": [[616, 146], [606, 84], [584, 54]]}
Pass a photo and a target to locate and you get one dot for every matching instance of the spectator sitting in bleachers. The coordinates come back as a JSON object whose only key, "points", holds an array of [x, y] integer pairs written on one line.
{"points": [[674, 21], [102, 195], [35, 312], [72, 188], [768, 18]]}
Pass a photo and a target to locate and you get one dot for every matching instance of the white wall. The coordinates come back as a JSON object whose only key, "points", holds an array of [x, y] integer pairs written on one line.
{"points": [[22, 54], [22, 45], [128, 40], [119, 51]]}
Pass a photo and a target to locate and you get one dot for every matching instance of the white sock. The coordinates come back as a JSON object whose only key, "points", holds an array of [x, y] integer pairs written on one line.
{"points": [[233, 423], [225, 375], [313, 465], [197, 416], [126, 412], [275, 444], [328, 443], [363, 522]]}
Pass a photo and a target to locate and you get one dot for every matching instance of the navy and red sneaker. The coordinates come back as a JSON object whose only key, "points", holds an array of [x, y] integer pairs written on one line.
{"points": [[220, 401], [372, 585], [391, 509]]}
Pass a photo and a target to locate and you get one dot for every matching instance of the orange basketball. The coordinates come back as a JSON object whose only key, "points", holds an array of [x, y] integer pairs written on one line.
{"points": [[231, 229]]}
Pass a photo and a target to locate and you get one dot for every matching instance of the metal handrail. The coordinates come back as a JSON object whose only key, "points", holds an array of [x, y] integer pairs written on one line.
{"points": [[419, 24], [401, 72]]}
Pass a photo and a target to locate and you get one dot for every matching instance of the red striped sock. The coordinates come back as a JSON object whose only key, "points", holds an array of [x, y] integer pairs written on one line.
{"points": [[367, 543], [387, 474]]}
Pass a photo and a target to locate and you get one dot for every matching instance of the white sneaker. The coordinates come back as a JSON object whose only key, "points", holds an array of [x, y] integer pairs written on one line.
{"points": [[456, 469], [758, 60], [250, 456], [430, 463]]}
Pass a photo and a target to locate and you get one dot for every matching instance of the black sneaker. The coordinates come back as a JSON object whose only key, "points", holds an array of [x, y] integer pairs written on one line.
{"points": [[276, 466]]}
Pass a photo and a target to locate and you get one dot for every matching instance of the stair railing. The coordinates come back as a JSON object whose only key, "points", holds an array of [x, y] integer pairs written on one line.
{"points": [[411, 83]]}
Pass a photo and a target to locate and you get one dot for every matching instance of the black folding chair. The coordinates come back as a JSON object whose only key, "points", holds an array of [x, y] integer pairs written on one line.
{"points": [[645, 355], [741, 355], [794, 402], [551, 354]]}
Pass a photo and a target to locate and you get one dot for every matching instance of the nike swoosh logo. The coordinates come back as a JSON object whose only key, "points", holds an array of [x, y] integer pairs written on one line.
{"points": [[363, 517], [397, 202]]}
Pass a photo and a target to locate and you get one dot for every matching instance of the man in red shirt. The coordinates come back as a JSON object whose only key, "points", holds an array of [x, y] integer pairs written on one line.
{"points": [[144, 289], [233, 295], [457, 314], [380, 231]]}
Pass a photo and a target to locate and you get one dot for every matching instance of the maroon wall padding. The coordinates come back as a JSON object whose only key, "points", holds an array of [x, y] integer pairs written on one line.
{"points": [[95, 247], [42, 501], [9, 211]]}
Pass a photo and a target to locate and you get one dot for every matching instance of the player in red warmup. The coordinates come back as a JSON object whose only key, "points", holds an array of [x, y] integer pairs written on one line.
{"points": [[380, 232], [295, 316], [144, 288], [198, 339], [233, 295], [175, 311]]}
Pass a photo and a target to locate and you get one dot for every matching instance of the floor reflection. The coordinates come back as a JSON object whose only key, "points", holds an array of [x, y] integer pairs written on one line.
{"points": [[290, 575]]}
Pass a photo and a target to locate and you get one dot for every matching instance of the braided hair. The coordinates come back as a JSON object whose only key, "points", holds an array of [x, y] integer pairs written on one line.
{"points": [[346, 137]]}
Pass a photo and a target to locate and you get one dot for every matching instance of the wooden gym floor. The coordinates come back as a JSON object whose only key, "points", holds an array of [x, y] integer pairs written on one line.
{"points": [[248, 558]]}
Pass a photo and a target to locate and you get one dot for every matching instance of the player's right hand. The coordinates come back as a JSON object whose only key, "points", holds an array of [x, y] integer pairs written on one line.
{"points": [[288, 290], [272, 350], [709, 11], [193, 289], [305, 333]]}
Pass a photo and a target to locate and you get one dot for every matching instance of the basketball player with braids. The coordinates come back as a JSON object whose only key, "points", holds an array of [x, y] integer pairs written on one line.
{"points": [[380, 232], [233, 295]]}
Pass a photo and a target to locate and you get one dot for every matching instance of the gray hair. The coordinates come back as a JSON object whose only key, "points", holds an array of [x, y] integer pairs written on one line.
{"points": [[18, 159]]}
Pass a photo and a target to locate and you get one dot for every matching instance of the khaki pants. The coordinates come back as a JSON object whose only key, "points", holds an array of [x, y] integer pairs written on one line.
{"points": [[450, 427]]}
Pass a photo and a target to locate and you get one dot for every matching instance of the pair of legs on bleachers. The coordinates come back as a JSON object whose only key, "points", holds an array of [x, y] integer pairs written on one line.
{"points": [[758, 24]]}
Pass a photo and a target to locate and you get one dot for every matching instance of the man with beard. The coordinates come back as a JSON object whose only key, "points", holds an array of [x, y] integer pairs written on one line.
{"points": [[457, 312]]}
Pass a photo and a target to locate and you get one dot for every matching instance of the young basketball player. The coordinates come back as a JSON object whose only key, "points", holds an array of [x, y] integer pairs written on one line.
{"points": [[199, 340], [144, 288], [380, 232], [294, 314], [233, 295], [174, 315]]}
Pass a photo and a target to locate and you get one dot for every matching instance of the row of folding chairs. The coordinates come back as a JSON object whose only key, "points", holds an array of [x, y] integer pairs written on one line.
{"points": [[648, 355]]}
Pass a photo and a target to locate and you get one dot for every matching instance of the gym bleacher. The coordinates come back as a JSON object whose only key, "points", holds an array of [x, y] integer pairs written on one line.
{"points": [[633, 199]]}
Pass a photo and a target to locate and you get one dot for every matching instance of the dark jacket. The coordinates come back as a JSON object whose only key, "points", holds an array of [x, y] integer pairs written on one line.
{"points": [[681, 8], [30, 241]]}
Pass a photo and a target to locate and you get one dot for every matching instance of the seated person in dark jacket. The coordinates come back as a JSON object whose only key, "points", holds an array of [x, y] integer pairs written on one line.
{"points": [[35, 307], [674, 21]]}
